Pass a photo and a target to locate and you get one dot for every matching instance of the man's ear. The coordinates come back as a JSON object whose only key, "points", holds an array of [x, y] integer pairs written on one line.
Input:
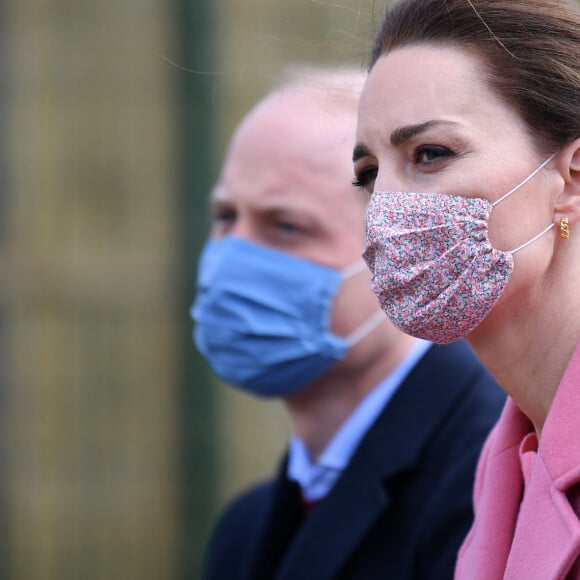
{"points": [[568, 200]]}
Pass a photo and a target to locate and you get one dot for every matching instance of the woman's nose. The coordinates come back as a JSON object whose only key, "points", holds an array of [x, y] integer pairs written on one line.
{"points": [[389, 179]]}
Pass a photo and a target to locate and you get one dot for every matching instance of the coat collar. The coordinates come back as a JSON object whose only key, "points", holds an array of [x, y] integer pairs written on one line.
{"points": [[560, 444], [536, 534], [547, 535], [362, 494]]}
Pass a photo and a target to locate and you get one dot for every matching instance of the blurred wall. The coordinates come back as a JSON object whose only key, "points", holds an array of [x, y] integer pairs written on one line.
{"points": [[89, 325], [117, 449]]}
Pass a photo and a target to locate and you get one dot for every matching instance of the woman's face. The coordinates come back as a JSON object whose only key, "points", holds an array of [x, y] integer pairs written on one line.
{"points": [[428, 122]]}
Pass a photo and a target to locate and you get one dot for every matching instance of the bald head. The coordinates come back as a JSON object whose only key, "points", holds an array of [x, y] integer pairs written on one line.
{"points": [[308, 121], [336, 89], [291, 156]]}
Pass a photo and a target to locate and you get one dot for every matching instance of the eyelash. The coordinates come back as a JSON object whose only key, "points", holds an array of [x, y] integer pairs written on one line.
{"points": [[364, 177], [369, 174], [440, 151]]}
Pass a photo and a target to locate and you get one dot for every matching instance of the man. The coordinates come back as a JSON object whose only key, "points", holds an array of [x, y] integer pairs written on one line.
{"points": [[387, 429]]}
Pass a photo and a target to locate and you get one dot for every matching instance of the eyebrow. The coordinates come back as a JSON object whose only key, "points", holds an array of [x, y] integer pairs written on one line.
{"points": [[269, 208], [359, 151], [401, 135]]}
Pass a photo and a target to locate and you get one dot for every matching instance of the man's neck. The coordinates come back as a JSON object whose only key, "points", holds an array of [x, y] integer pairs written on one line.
{"points": [[318, 412]]}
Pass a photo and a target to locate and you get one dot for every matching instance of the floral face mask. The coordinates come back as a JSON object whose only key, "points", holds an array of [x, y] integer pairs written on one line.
{"points": [[435, 272]]}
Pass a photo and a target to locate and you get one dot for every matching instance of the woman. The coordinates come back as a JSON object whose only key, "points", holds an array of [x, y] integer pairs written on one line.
{"points": [[469, 143]]}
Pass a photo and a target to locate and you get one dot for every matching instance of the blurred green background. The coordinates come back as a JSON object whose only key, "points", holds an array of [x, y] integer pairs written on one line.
{"points": [[117, 447]]}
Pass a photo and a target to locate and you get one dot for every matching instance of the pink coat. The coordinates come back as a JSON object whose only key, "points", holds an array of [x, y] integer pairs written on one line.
{"points": [[537, 537]]}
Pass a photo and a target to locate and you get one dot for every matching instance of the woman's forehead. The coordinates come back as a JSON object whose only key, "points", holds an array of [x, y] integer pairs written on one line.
{"points": [[420, 83]]}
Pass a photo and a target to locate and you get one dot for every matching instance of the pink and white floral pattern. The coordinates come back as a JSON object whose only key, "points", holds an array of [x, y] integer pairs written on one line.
{"points": [[435, 273]]}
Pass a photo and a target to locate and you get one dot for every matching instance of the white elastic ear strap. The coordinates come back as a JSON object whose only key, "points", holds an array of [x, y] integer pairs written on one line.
{"points": [[533, 174], [544, 231], [353, 269], [522, 183], [366, 327]]}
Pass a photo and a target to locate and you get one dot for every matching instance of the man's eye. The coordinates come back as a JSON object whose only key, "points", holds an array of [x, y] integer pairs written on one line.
{"points": [[287, 227], [428, 154], [224, 217]]}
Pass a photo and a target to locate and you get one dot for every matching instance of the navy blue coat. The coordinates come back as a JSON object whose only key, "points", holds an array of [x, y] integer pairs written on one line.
{"points": [[401, 508]]}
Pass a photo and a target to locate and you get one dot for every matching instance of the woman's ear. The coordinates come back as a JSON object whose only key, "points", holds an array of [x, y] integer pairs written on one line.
{"points": [[568, 200]]}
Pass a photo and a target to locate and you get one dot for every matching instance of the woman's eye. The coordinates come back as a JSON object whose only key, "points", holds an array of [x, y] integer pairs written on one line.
{"points": [[429, 154], [365, 179]]}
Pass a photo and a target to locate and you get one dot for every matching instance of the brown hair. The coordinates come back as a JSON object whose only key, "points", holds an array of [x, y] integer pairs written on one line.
{"points": [[530, 50]]}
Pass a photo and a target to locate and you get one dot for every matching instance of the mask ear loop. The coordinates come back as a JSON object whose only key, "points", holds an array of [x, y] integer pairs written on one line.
{"points": [[544, 231], [373, 320], [521, 184], [366, 328], [353, 269]]}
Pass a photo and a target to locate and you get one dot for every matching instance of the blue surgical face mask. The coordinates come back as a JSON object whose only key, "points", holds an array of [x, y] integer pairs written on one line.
{"points": [[262, 317]]}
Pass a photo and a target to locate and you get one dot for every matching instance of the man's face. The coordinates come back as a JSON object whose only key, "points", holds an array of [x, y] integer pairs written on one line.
{"points": [[286, 182]]}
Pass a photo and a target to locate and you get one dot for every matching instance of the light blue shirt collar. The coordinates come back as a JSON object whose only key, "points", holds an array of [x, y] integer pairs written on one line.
{"points": [[317, 479]]}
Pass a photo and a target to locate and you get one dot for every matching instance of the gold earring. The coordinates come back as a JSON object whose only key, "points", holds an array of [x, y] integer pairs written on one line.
{"points": [[564, 229]]}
